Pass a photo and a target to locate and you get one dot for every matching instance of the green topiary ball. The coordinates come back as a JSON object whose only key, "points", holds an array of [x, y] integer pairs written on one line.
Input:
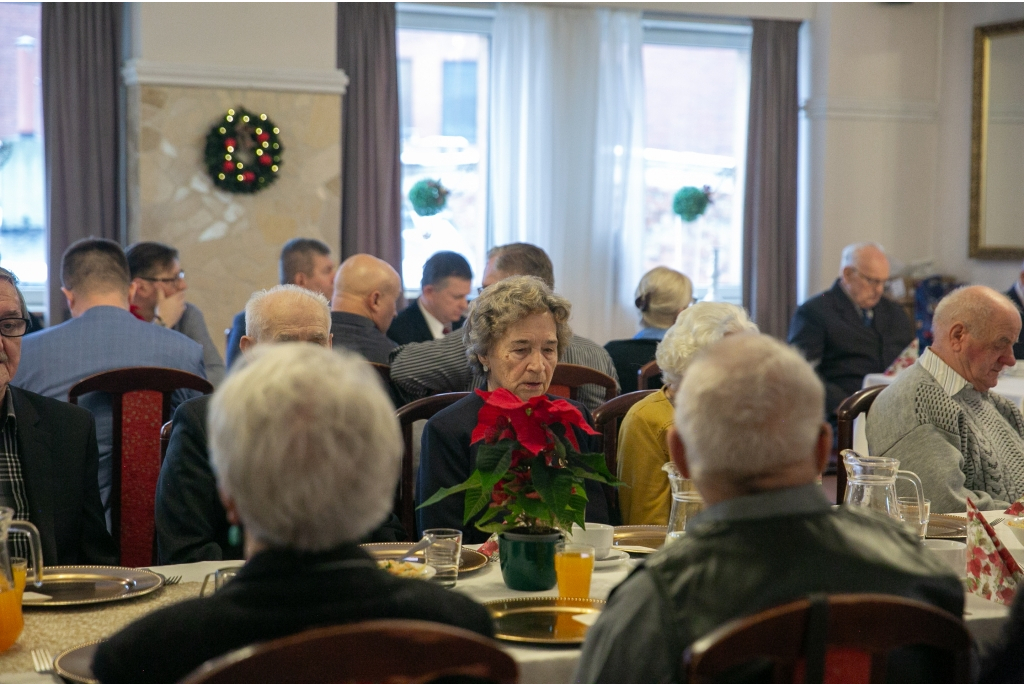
{"points": [[691, 202], [428, 197]]}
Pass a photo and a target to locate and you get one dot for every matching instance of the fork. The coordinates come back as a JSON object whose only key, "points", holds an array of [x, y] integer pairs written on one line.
{"points": [[42, 660], [173, 580]]}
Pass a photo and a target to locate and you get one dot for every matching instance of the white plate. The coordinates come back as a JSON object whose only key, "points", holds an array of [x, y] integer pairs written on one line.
{"points": [[614, 558]]}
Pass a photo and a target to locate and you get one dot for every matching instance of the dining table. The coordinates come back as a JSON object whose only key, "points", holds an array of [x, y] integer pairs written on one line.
{"points": [[58, 629]]}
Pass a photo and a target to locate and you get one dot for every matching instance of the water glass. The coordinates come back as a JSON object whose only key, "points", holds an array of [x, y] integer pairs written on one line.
{"points": [[218, 579], [574, 566], [444, 554], [909, 515]]}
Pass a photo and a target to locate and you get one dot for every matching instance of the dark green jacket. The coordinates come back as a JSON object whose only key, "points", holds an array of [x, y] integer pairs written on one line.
{"points": [[743, 556]]}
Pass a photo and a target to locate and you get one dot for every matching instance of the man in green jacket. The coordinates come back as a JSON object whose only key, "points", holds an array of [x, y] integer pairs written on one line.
{"points": [[749, 432]]}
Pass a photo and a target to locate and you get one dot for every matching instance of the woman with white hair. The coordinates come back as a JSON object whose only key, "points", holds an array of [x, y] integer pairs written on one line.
{"points": [[307, 452], [661, 294], [643, 449]]}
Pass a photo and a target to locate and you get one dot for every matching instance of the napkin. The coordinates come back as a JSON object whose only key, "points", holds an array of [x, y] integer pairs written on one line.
{"points": [[906, 359], [992, 572], [1016, 508]]}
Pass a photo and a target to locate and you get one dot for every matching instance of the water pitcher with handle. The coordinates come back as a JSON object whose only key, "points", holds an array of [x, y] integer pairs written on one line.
{"points": [[871, 483], [686, 501], [11, 621]]}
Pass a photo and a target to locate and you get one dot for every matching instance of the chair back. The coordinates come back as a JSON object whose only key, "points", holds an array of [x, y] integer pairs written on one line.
{"points": [[568, 378], [140, 399], [606, 422], [385, 372], [420, 410], [843, 638], [384, 651], [849, 409], [649, 373]]}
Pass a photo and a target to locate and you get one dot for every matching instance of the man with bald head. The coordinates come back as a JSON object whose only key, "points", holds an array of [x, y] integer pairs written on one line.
{"points": [[940, 418], [851, 330], [366, 292]]}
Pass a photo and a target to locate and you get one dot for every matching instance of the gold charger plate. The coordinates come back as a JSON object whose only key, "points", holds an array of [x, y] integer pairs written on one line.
{"points": [[75, 664], [542, 620], [469, 560], [640, 536], [75, 585], [947, 527]]}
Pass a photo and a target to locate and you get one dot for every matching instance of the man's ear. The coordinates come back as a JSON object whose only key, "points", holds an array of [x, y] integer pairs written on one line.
{"points": [[677, 449], [823, 448], [69, 295], [134, 287], [246, 343], [373, 300], [956, 336], [229, 508]]}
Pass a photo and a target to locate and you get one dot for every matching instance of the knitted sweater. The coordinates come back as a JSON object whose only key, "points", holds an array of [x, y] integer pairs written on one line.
{"points": [[957, 445]]}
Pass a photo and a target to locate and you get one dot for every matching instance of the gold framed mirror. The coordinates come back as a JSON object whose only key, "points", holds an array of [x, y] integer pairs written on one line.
{"points": [[997, 142]]}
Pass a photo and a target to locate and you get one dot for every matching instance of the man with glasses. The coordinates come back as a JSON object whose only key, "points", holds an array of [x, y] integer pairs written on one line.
{"points": [[851, 330], [48, 457], [159, 297]]}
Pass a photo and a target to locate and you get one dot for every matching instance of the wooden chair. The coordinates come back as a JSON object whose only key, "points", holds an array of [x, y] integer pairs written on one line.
{"points": [[385, 372], [606, 421], [849, 409], [842, 638], [568, 378], [648, 373], [140, 399], [420, 410], [384, 651]]}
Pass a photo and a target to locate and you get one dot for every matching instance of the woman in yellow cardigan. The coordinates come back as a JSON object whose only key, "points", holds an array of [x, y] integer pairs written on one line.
{"points": [[642, 448]]}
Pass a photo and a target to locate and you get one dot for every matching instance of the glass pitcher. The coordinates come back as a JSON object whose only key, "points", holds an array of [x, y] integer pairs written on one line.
{"points": [[11, 621], [871, 483], [686, 502]]}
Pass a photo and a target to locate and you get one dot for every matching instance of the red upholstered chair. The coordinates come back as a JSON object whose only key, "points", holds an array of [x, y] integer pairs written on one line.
{"points": [[830, 639], [647, 373], [140, 399], [568, 378], [606, 422], [385, 651], [848, 410]]}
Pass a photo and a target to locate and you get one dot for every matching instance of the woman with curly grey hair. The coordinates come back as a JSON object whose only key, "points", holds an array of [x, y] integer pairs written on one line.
{"points": [[515, 333]]}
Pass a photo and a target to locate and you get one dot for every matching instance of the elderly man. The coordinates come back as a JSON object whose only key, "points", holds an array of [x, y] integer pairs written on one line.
{"points": [[850, 330], [102, 336], [48, 459], [366, 291], [305, 262], [939, 417], [1016, 295], [442, 304], [191, 524], [422, 369], [306, 479], [769, 534]]}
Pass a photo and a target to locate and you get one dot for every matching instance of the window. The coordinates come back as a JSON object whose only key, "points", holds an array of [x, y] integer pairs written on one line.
{"points": [[22, 183], [696, 81], [443, 74]]}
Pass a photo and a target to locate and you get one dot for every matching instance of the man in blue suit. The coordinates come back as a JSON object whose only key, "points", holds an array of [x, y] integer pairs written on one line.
{"points": [[102, 335]]}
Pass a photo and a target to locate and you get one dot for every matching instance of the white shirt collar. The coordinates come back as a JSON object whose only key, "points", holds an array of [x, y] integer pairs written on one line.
{"points": [[435, 326], [944, 375]]}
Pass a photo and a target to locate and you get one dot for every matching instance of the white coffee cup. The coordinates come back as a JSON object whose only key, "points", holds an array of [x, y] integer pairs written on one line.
{"points": [[952, 552], [597, 535]]}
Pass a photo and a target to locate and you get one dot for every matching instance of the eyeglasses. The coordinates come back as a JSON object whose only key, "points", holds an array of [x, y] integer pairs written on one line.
{"points": [[13, 327], [873, 282], [172, 281]]}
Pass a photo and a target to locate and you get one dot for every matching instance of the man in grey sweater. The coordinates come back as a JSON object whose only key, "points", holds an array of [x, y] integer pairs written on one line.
{"points": [[939, 417]]}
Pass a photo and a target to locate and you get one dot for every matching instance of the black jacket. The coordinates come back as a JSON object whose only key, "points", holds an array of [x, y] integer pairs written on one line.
{"points": [[277, 593], [1018, 347], [360, 334], [410, 326], [59, 464], [629, 356]]}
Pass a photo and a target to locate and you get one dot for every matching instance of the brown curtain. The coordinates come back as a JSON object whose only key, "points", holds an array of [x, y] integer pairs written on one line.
{"points": [[371, 173], [769, 221], [81, 60]]}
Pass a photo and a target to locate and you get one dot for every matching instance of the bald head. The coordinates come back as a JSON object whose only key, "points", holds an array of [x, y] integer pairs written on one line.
{"points": [[369, 287], [286, 313], [974, 329]]}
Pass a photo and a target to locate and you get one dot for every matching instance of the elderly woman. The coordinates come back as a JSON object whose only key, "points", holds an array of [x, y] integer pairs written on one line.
{"points": [[514, 332], [660, 296], [307, 453], [643, 449]]}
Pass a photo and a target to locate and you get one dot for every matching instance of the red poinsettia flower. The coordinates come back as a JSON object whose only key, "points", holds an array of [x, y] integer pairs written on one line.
{"points": [[530, 432]]}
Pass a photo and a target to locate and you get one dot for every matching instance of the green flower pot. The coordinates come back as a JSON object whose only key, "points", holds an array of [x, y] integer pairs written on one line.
{"points": [[528, 561]]}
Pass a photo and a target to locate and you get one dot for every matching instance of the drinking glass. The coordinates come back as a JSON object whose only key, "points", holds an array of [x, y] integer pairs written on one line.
{"points": [[11, 620], [574, 565], [909, 514], [444, 554], [218, 579]]}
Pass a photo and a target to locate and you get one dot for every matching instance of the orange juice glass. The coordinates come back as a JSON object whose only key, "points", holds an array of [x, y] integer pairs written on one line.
{"points": [[574, 565], [11, 620]]}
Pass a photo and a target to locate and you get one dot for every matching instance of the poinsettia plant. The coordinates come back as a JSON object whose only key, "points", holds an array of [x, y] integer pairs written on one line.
{"points": [[530, 472]]}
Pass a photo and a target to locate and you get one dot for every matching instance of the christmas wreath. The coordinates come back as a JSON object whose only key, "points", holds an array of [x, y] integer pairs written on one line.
{"points": [[690, 202], [243, 152], [428, 197]]}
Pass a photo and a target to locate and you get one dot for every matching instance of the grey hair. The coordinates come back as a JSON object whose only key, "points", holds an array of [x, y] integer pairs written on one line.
{"points": [[256, 322], [975, 306], [503, 304], [851, 253], [696, 328], [305, 441], [661, 294], [9, 277], [748, 405]]}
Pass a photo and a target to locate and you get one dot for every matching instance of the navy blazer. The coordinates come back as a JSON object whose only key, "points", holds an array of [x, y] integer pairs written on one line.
{"points": [[410, 326], [234, 349]]}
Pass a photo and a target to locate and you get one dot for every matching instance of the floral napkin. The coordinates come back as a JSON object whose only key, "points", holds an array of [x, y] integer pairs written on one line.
{"points": [[906, 359], [992, 572], [1016, 508]]}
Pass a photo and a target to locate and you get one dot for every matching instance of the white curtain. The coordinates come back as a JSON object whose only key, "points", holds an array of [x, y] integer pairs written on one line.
{"points": [[567, 153]]}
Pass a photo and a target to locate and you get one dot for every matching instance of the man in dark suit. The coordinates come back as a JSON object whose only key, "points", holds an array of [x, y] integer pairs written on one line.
{"points": [[1016, 295], [442, 304], [48, 457], [850, 330], [366, 290]]}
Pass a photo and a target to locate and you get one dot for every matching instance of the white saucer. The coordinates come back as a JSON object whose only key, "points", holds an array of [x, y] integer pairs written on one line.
{"points": [[615, 557]]}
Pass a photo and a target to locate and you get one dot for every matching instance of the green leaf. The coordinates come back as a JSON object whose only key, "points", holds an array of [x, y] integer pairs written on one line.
{"points": [[489, 456], [489, 514], [489, 479], [598, 469], [472, 482], [476, 499], [535, 508]]}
